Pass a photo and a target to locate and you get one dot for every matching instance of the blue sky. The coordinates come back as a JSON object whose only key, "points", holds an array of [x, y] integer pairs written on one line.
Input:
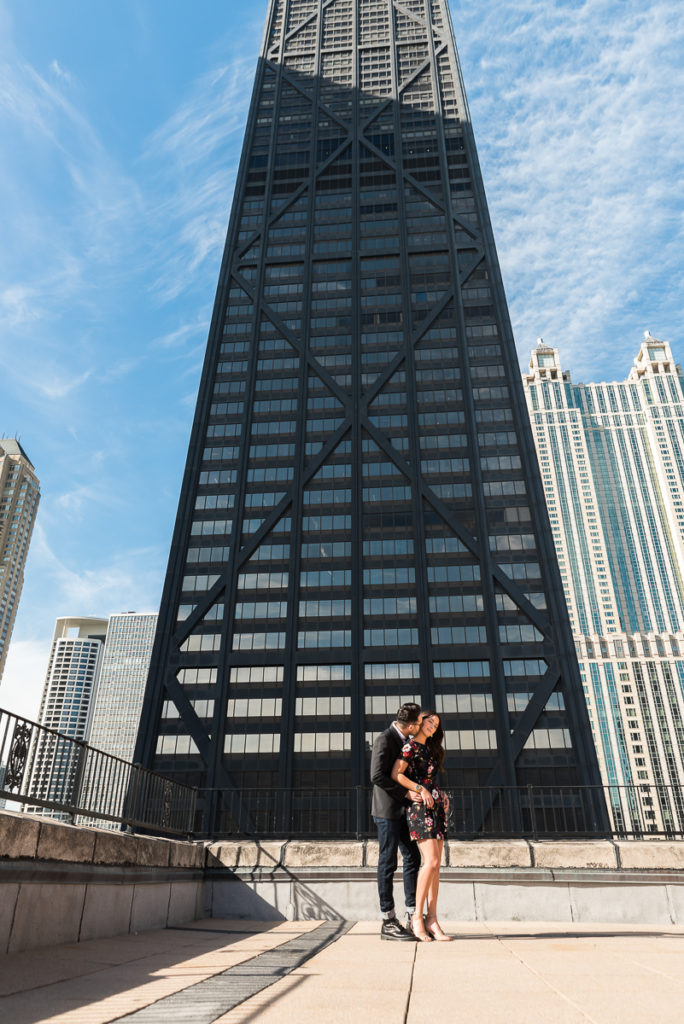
{"points": [[120, 131]]}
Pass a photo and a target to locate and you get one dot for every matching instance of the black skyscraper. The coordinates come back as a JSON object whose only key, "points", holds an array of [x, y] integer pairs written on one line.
{"points": [[361, 521]]}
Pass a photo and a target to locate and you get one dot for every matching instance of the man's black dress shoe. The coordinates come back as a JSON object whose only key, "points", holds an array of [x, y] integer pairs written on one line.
{"points": [[394, 931]]}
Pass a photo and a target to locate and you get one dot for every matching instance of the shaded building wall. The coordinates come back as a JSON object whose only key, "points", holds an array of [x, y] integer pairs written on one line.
{"points": [[361, 520]]}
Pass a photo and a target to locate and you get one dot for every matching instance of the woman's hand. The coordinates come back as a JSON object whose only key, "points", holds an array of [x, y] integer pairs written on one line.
{"points": [[446, 802], [428, 798]]}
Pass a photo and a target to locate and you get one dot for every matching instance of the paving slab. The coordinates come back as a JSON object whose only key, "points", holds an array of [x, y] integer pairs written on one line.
{"points": [[517, 973], [103, 980], [510, 973]]}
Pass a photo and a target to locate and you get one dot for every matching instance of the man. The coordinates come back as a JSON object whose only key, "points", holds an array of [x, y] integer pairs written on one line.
{"points": [[389, 814]]}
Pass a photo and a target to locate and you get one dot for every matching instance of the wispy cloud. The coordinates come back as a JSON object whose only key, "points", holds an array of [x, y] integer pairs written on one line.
{"points": [[576, 109], [121, 581], [18, 304], [73, 502], [59, 71], [121, 578], [195, 153], [110, 258], [65, 205], [179, 337], [63, 385]]}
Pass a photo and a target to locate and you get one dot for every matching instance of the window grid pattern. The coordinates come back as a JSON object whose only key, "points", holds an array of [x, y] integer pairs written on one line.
{"points": [[369, 397]]}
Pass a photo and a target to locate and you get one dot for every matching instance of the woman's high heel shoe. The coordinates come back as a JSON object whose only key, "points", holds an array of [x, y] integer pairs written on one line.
{"points": [[418, 928], [435, 931]]}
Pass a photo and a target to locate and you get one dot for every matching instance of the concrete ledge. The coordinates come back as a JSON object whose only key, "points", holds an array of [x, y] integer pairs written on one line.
{"points": [[152, 853], [59, 841], [187, 855], [26, 836], [233, 854], [308, 854], [504, 853], [495, 876], [18, 835], [580, 854], [67, 883], [115, 848], [371, 858], [69, 873], [651, 854], [494, 880]]}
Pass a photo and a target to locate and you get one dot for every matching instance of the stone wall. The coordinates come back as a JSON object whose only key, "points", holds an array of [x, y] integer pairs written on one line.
{"points": [[627, 881], [64, 883]]}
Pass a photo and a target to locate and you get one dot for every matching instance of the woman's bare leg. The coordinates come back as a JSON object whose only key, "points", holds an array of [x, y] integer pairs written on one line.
{"points": [[431, 923], [433, 891], [429, 861]]}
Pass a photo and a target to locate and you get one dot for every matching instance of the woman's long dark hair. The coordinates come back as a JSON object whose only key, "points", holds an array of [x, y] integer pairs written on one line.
{"points": [[435, 743]]}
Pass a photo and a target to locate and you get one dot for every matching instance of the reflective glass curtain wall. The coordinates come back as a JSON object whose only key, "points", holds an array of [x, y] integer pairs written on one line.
{"points": [[361, 520]]}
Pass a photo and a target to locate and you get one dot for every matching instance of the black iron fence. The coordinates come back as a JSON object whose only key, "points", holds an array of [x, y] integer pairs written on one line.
{"points": [[42, 768], [635, 811]]}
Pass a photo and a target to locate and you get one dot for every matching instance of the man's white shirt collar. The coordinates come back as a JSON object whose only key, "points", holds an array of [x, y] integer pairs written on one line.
{"points": [[403, 738]]}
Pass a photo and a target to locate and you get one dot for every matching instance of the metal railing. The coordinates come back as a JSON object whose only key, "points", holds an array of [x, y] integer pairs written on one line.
{"points": [[545, 812], [42, 768]]}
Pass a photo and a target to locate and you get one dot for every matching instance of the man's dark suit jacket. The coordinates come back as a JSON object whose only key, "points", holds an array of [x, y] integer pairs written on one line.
{"points": [[389, 798]]}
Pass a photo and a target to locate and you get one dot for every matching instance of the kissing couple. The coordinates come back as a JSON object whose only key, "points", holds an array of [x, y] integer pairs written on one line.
{"points": [[409, 810]]}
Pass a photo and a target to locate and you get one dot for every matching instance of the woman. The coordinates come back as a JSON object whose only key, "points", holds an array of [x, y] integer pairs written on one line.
{"points": [[417, 769]]}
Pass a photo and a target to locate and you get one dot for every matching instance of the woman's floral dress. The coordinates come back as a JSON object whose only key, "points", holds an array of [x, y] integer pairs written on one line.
{"points": [[424, 822]]}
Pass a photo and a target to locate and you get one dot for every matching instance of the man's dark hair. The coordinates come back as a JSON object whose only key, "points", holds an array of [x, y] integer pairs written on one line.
{"points": [[408, 714]]}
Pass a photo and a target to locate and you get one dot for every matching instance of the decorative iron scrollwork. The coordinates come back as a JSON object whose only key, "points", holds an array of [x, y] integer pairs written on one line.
{"points": [[18, 754]]}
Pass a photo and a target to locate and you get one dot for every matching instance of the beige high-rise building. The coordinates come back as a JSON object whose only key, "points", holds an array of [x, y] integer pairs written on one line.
{"points": [[612, 464], [70, 681], [19, 497]]}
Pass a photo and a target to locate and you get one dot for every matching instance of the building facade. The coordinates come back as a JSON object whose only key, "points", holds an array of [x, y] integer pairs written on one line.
{"points": [[70, 682], [19, 497], [115, 707], [361, 519], [117, 702], [612, 465]]}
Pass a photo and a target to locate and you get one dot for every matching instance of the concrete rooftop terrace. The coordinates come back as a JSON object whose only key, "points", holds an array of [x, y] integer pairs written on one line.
{"points": [[224, 972]]}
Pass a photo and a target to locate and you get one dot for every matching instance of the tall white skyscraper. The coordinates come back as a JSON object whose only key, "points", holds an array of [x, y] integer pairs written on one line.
{"points": [[117, 703], [75, 656], [93, 691], [19, 497], [115, 709], [612, 464]]}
